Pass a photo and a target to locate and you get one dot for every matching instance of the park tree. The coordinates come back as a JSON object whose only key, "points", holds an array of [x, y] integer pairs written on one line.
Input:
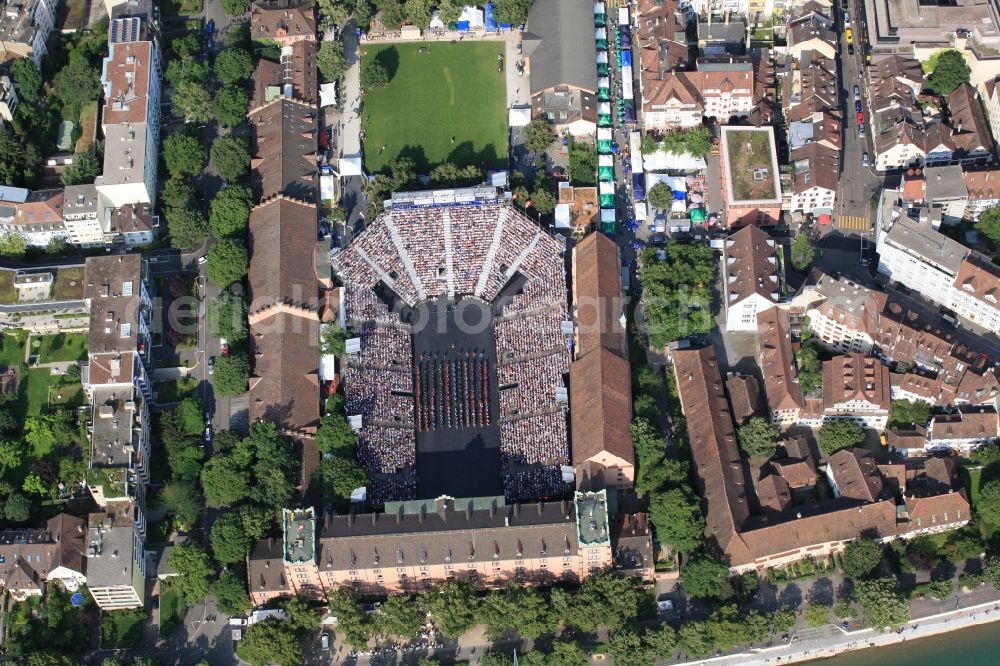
{"points": [[333, 339], [511, 12], [809, 367], [183, 454], [177, 193], [450, 174], [226, 480], [230, 210], [988, 505], [883, 604], [236, 7], [676, 516], [949, 72], [232, 373], [272, 641], [85, 168], [186, 46], [543, 201], [27, 79], [817, 614], [844, 609], [660, 196], [187, 226], [418, 12], [330, 60], [17, 508], [227, 316], [538, 136], [908, 413], [302, 615], [230, 593], [183, 155], [373, 75], [838, 434], [343, 475], [516, 609], [861, 557], [19, 162], [677, 291], [230, 540], [335, 435], [985, 455], [783, 619], [695, 638], [991, 570], [453, 605], [194, 570], [77, 82], [352, 621], [758, 437], [12, 244], [706, 577], [190, 411], [11, 454], [190, 70], [231, 157], [988, 224], [192, 102], [582, 164], [233, 65], [183, 500], [802, 253], [628, 649], [449, 11], [602, 601], [227, 262], [230, 106], [398, 618]]}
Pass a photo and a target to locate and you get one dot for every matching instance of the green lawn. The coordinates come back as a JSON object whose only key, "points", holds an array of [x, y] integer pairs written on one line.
{"points": [[60, 347], [35, 394], [970, 479], [11, 351], [122, 628], [171, 609], [175, 390], [68, 285], [7, 292], [451, 91]]}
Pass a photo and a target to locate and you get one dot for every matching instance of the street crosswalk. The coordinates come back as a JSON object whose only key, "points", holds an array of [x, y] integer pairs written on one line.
{"points": [[854, 222]]}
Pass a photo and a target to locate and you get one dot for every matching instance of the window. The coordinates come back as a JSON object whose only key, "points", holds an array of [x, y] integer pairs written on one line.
{"points": [[127, 330]]}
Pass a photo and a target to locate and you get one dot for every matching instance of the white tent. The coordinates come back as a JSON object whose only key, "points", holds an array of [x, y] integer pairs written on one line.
{"points": [[604, 108], [623, 16], [663, 161], [640, 210], [635, 151], [606, 160], [608, 215], [600, 33], [436, 22], [598, 8], [519, 116], [474, 16], [327, 367], [602, 57], [328, 94], [563, 216], [603, 82], [351, 166], [605, 134], [327, 187], [626, 83], [607, 188]]}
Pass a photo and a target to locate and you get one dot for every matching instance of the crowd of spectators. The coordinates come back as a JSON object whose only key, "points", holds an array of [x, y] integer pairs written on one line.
{"points": [[476, 251]]}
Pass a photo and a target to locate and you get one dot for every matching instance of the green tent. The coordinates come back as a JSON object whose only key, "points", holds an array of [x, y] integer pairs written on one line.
{"points": [[600, 21], [606, 173], [604, 120], [607, 201], [697, 216], [604, 147], [602, 45], [604, 94], [602, 69]]}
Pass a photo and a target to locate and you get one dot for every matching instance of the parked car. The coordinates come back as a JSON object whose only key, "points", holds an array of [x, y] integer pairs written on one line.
{"points": [[211, 365], [208, 434], [224, 346], [857, 106], [208, 418], [861, 117], [324, 642], [857, 92], [847, 18], [850, 49], [861, 131], [864, 159]]}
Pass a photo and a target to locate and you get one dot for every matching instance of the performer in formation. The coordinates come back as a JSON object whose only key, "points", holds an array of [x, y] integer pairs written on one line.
{"points": [[452, 390]]}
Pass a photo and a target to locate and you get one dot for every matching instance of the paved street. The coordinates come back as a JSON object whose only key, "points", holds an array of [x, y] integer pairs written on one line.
{"points": [[857, 183]]}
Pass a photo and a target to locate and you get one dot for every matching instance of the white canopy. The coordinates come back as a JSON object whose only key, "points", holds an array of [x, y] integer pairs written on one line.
{"points": [[606, 188], [598, 8], [605, 134], [328, 94], [327, 187], [603, 82], [623, 16], [563, 216], [436, 22], [640, 210], [351, 166], [602, 57], [635, 151], [327, 367], [606, 160], [663, 161], [604, 108], [474, 15], [519, 116], [600, 33], [608, 215]]}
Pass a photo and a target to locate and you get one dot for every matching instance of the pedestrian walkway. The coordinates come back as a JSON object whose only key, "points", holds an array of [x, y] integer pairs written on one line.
{"points": [[854, 223]]}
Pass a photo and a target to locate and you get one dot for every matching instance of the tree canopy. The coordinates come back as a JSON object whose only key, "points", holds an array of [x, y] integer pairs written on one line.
{"points": [[802, 253], [187, 226], [231, 157], [676, 515], [883, 604], [705, 576], [330, 60], [907, 413], [227, 262], [988, 224], [231, 210], [373, 75], [660, 196], [183, 155], [950, 71], [183, 500], [861, 557], [538, 135], [837, 434], [27, 79], [227, 316], [233, 65], [230, 105], [194, 569], [192, 102], [758, 437], [272, 641], [453, 605], [988, 505], [677, 292], [232, 373]]}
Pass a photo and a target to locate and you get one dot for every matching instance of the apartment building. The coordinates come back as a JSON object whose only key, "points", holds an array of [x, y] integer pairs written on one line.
{"points": [[810, 87], [945, 189], [783, 532], [8, 98], [669, 102], [419, 543], [726, 87], [753, 195], [750, 277], [855, 387], [983, 187], [841, 313], [963, 430], [131, 118], [25, 27], [116, 576], [116, 380], [32, 557], [815, 169], [912, 253], [81, 215], [812, 32], [601, 402], [785, 400], [283, 21], [35, 215]]}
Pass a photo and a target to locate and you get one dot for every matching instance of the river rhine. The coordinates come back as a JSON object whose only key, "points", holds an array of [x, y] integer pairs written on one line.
{"points": [[975, 646]]}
